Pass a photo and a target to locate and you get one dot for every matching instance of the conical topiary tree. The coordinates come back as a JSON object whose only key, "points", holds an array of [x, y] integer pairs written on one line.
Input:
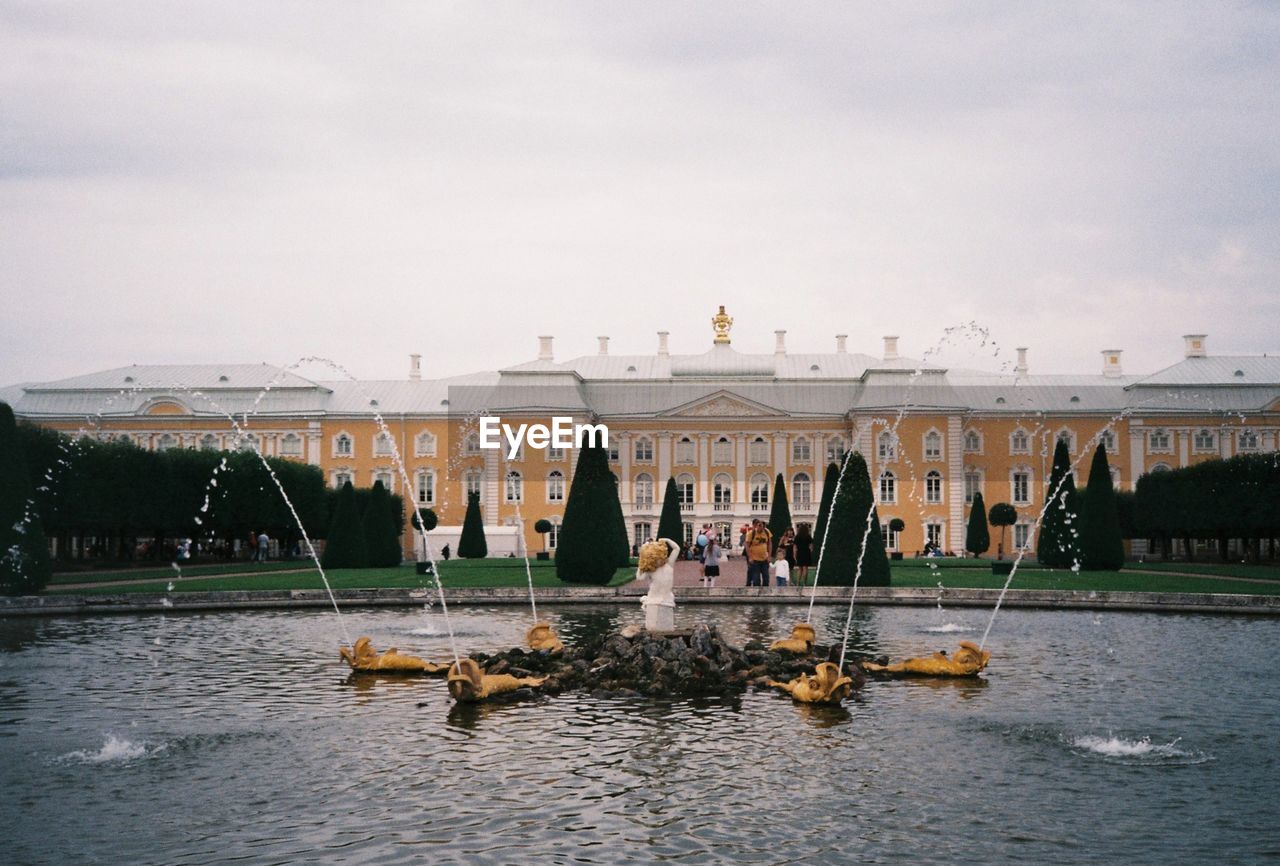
{"points": [[829, 482], [344, 545], [669, 524], [588, 548], [846, 527], [1101, 547], [779, 512], [1002, 514], [381, 541], [24, 552], [472, 544], [1058, 545], [977, 540]]}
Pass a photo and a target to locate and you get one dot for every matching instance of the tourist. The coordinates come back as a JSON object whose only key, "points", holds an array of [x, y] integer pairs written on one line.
{"points": [[804, 554], [253, 546], [788, 544], [711, 561], [264, 544], [445, 553], [759, 545], [781, 568]]}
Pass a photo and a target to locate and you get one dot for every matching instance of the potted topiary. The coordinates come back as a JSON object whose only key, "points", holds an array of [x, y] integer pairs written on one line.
{"points": [[1002, 514], [428, 522], [895, 526], [542, 527]]}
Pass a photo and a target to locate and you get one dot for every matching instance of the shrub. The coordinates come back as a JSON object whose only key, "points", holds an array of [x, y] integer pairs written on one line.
{"points": [[472, 544]]}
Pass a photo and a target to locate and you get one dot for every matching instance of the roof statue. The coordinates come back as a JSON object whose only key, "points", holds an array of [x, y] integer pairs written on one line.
{"points": [[721, 322]]}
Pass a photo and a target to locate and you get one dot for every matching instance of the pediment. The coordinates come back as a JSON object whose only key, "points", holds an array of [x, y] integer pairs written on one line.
{"points": [[724, 404]]}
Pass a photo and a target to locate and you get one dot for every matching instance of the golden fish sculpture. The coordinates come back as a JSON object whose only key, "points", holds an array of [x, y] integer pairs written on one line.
{"points": [[801, 640], [365, 659], [541, 637], [825, 686], [968, 661], [468, 683]]}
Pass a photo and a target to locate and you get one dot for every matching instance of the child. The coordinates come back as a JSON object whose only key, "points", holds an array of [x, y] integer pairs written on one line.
{"points": [[781, 568], [711, 562]]}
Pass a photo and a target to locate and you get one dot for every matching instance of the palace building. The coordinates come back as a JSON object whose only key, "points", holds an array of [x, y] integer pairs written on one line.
{"points": [[722, 423]]}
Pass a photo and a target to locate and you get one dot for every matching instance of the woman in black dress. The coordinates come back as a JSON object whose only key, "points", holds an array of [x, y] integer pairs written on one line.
{"points": [[803, 545]]}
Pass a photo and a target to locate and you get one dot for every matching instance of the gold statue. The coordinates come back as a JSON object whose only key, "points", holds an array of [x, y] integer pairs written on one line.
{"points": [[541, 637], [968, 661], [469, 683], [721, 323], [801, 640], [365, 658], [825, 686]]}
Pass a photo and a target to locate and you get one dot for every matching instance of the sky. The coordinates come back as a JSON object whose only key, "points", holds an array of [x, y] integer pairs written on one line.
{"points": [[261, 182]]}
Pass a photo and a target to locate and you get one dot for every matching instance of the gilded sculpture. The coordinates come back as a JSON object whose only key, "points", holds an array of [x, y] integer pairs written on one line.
{"points": [[968, 661], [542, 637], [825, 686], [801, 641], [469, 683], [365, 659], [721, 322]]}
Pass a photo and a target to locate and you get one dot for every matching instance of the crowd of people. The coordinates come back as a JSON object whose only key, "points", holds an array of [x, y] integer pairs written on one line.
{"points": [[781, 560]]}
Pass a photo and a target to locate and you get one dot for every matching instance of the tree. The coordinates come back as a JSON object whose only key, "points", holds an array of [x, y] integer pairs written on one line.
{"points": [[381, 540], [24, 552], [542, 526], [1101, 547], [472, 544], [829, 482], [779, 512], [1002, 514], [424, 524], [587, 551], [846, 528], [1058, 545], [344, 545], [669, 524], [977, 540]]}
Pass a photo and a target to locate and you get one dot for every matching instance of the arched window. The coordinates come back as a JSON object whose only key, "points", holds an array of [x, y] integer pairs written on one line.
{"points": [[835, 449], [555, 486], [471, 444], [341, 477], [722, 493], [1205, 440], [886, 446], [1067, 436], [515, 486], [801, 450], [644, 450], [125, 438], [759, 492], [685, 451], [382, 445], [472, 482], [933, 487], [933, 445], [291, 445], [424, 444], [972, 442], [208, 442], [248, 442], [1158, 442], [802, 490], [684, 491], [758, 451], [343, 445], [1019, 442], [888, 487], [972, 484], [426, 487], [1160, 467], [166, 441], [722, 451], [644, 490], [1247, 440]]}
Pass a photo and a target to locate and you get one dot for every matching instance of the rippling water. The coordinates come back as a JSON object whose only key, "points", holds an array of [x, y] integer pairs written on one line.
{"points": [[238, 737]]}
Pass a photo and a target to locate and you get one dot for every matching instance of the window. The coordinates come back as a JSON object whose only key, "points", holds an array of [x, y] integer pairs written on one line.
{"points": [[382, 445], [644, 532], [426, 488], [933, 487], [555, 486], [722, 451], [802, 491], [1160, 467], [248, 442], [890, 537], [553, 535], [424, 444], [758, 451], [1065, 435], [644, 490], [125, 438], [384, 476], [1019, 442], [343, 445], [1247, 440], [1022, 536], [165, 442], [291, 445], [515, 487], [933, 532], [341, 477], [687, 533], [1115, 478], [972, 442], [722, 493], [554, 454], [644, 450], [1158, 442], [1204, 440], [933, 445], [471, 444], [801, 450], [972, 484], [684, 491], [886, 446], [685, 451], [1107, 439], [835, 449], [208, 442], [472, 482], [888, 487], [759, 492], [1021, 484]]}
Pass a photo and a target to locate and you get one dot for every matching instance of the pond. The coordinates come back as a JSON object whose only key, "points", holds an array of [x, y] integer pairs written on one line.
{"points": [[239, 737]]}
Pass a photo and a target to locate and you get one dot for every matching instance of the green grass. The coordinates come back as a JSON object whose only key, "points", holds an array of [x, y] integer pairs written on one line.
{"points": [[1226, 569], [165, 571]]}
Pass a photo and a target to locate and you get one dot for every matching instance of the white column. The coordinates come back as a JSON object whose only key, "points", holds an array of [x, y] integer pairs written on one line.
{"points": [[313, 446], [493, 481], [1225, 444], [664, 461], [1184, 447], [779, 458], [955, 482], [626, 447], [740, 461], [1137, 456], [704, 461]]}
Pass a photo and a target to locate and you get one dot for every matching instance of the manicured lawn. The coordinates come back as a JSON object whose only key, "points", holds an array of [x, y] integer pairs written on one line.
{"points": [[165, 571], [1226, 569]]}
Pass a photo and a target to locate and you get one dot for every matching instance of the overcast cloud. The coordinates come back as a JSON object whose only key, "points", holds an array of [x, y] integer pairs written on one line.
{"points": [[252, 182]]}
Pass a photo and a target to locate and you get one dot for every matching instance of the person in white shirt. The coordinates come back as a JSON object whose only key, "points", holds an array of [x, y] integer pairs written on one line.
{"points": [[781, 568]]}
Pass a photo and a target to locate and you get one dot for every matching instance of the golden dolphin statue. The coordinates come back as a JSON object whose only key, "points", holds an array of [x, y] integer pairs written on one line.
{"points": [[801, 640], [968, 661], [469, 683], [364, 658], [825, 686]]}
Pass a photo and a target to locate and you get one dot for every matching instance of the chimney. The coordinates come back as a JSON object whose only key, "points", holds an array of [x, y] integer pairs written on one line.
{"points": [[544, 349], [415, 367], [780, 348], [891, 348], [840, 342], [1021, 369], [1111, 363], [662, 343], [1194, 344], [604, 345]]}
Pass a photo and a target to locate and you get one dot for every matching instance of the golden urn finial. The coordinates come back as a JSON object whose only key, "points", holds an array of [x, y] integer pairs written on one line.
{"points": [[721, 323]]}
